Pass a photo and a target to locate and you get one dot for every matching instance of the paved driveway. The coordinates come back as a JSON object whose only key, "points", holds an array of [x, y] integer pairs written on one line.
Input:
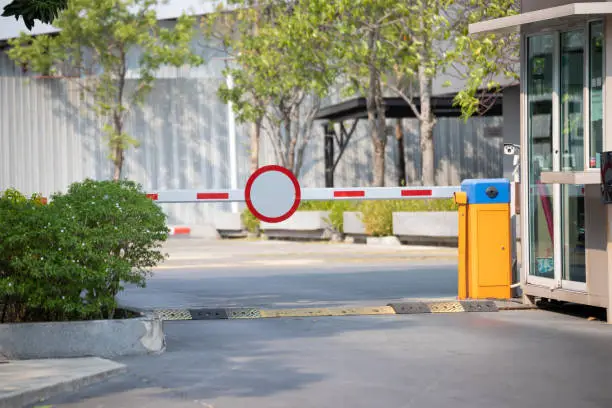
{"points": [[474, 360], [280, 274], [465, 360]]}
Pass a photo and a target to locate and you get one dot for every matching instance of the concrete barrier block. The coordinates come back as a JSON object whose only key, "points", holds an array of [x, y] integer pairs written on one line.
{"points": [[353, 224], [303, 225], [228, 221], [301, 221], [443, 224], [383, 241], [205, 231]]}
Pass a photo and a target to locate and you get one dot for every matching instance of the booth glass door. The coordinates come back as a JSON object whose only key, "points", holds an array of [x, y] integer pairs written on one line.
{"points": [[572, 70], [556, 140], [541, 78]]}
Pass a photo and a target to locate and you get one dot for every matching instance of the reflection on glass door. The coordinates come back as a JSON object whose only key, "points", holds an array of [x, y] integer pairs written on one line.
{"points": [[573, 234], [595, 92], [540, 87], [571, 87], [571, 90]]}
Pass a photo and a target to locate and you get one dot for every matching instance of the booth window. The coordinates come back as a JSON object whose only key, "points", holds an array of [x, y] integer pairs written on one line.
{"points": [[572, 99], [596, 61]]}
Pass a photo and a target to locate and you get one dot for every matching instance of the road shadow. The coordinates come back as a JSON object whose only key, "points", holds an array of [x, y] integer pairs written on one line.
{"points": [[574, 309], [205, 361]]}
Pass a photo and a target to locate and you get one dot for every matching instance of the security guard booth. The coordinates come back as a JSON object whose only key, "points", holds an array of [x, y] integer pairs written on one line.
{"points": [[565, 111]]}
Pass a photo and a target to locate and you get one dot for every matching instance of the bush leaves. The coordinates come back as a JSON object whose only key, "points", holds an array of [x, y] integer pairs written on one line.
{"points": [[69, 259]]}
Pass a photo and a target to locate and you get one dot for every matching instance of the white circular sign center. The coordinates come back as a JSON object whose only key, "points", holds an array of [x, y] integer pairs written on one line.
{"points": [[273, 194]]}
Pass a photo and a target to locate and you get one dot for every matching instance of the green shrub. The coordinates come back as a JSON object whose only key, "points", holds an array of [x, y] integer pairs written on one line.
{"points": [[69, 259], [16, 215], [377, 215], [315, 205], [251, 223], [377, 218], [435, 204]]}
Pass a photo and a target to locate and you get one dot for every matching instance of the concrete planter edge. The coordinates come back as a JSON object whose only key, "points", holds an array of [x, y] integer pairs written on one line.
{"points": [[85, 338]]}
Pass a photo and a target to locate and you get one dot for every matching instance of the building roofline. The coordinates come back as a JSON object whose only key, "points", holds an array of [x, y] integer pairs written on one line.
{"points": [[395, 107], [513, 23]]}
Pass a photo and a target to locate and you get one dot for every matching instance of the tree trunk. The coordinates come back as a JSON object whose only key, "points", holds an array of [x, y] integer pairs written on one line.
{"points": [[305, 134], [376, 115], [119, 152], [427, 123], [291, 152], [379, 163], [118, 162], [401, 157], [292, 145], [255, 136]]}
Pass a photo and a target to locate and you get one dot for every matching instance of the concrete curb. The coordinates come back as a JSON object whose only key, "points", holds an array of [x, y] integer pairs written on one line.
{"points": [[99, 338], [41, 392], [409, 307]]}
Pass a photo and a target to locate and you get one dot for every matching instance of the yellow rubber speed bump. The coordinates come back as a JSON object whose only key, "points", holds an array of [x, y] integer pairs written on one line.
{"points": [[453, 306], [328, 311], [446, 307], [410, 307], [173, 314]]}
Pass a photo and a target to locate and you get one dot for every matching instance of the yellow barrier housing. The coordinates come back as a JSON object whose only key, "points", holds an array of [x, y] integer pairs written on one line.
{"points": [[485, 262]]}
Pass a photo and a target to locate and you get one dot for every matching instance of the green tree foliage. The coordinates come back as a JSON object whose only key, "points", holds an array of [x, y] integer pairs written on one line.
{"points": [[354, 35], [489, 59], [30, 10], [433, 40], [249, 102], [96, 42], [69, 259], [279, 78], [418, 56], [379, 45]]}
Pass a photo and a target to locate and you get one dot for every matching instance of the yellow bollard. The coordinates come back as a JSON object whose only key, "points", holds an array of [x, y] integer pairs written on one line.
{"points": [[485, 263]]}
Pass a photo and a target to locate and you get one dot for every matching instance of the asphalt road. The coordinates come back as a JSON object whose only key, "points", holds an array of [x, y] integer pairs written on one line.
{"points": [[473, 360], [281, 274], [464, 360]]}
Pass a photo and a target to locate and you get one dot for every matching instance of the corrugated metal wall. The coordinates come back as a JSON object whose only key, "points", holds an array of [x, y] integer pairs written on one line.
{"points": [[48, 140]]}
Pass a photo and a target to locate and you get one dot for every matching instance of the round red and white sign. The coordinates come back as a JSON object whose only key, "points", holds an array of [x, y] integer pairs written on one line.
{"points": [[272, 194]]}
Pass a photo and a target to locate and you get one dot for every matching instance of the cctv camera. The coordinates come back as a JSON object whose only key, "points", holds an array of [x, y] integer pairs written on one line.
{"points": [[511, 149]]}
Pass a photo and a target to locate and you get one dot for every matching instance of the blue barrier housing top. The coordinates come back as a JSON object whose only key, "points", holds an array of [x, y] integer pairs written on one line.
{"points": [[487, 191]]}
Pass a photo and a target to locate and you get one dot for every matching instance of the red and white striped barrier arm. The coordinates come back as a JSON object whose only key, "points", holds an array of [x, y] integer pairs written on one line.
{"points": [[179, 230], [309, 194], [377, 193], [197, 196]]}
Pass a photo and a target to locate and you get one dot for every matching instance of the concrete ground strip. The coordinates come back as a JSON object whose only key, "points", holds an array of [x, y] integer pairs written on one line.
{"points": [[194, 262], [412, 307], [26, 382]]}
